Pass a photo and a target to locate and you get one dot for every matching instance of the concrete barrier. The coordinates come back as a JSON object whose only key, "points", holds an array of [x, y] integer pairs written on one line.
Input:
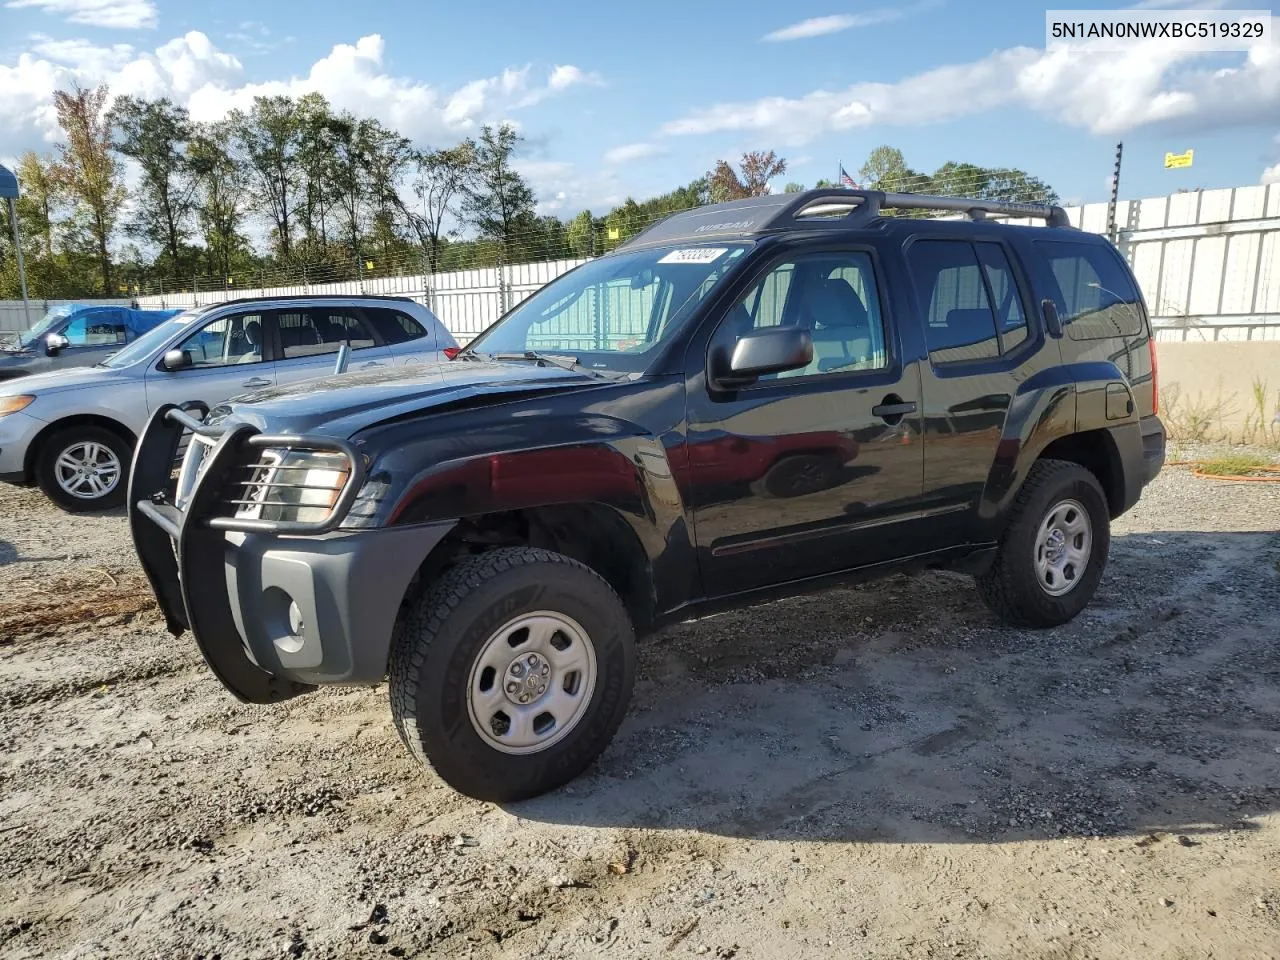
{"points": [[1224, 391]]}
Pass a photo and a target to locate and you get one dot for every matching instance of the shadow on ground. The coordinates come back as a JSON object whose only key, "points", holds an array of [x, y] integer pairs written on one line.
{"points": [[902, 712]]}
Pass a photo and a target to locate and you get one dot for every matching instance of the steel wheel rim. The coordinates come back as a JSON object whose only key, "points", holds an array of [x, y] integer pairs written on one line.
{"points": [[1063, 548], [544, 657], [87, 470]]}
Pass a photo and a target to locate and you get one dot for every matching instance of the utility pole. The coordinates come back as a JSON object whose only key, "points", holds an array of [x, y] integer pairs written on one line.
{"points": [[1115, 195]]}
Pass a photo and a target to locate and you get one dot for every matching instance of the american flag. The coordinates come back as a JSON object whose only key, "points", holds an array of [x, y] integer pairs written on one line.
{"points": [[847, 180]]}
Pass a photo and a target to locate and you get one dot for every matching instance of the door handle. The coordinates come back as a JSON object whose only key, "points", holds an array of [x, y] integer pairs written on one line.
{"points": [[893, 408], [256, 382]]}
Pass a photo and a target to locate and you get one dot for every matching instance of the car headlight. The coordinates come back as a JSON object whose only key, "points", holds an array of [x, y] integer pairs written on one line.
{"points": [[14, 404], [294, 485]]}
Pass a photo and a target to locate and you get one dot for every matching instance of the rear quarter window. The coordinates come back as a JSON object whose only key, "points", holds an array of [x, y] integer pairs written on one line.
{"points": [[1097, 298], [393, 326]]}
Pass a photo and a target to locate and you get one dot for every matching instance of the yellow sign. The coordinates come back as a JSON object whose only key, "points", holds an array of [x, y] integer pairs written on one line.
{"points": [[368, 264], [613, 233], [1175, 160]]}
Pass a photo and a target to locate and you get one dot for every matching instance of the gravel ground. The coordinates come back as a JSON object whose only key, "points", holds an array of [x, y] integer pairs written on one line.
{"points": [[874, 772]]}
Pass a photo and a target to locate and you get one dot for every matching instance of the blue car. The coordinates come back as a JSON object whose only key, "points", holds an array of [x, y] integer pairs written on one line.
{"points": [[75, 335]]}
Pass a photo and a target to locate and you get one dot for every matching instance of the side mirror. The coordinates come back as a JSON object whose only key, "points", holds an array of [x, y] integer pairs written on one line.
{"points": [[762, 352], [54, 344], [176, 360]]}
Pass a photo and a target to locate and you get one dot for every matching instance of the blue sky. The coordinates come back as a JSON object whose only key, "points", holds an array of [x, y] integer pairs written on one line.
{"points": [[635, 99]]}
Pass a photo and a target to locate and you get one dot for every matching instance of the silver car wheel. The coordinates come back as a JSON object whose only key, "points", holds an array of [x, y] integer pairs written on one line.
{"points": [[1063, 547], [531, 683], [87, 470]]}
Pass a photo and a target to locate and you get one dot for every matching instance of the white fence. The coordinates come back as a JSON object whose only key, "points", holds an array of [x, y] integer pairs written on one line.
{"points": [[1208, 263]]}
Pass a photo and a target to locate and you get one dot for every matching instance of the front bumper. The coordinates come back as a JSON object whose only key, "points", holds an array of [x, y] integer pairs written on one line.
{"points": [[274, 613]]}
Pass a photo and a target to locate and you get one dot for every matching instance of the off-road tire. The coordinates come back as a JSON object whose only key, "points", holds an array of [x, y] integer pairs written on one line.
{"points": [[1010, 587], [445, 631], [53, 447]]}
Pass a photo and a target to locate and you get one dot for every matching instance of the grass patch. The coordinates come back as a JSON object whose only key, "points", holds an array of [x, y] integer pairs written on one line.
{"points": [[1237, 465]]}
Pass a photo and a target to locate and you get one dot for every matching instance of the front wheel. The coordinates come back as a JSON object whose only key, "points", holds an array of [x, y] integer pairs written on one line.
{"points": [[1054, 548], [84, 468], [513, 673]]}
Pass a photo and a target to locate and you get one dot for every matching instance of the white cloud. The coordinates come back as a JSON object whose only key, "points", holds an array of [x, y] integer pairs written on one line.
{"points": [[1271, 174], [194, 72], [120, 14], [821, 26], [85, 55], [837, 23], [633, 151], [1102, 92], [566, 75]]}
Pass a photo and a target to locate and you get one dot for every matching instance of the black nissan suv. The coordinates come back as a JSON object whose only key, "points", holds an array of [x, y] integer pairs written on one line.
{"points": [[745, 401]]}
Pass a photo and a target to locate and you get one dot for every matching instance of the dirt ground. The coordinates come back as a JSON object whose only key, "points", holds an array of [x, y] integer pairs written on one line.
{"points": [[876, 772]]}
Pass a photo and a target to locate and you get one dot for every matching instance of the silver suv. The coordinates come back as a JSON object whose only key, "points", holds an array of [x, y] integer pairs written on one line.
{"points": [[73, 431]]}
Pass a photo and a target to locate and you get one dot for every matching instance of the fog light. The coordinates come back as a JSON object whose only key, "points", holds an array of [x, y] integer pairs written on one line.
{"points": [[295, 619]]}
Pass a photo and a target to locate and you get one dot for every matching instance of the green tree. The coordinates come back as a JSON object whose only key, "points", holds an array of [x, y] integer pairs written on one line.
{"points": [[756, 168], [497, 201], [270, 137], [221, 188], [1010, 184], [87, 169], [154, 134], [439, 183], [886, 169], [960, 180], [793, 187], [583, 235], [39, 203], [387, 158], [315, 161]]}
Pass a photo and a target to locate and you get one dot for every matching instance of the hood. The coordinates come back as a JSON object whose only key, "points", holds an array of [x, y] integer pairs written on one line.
{"points": [[66, 378], [341, 405]]}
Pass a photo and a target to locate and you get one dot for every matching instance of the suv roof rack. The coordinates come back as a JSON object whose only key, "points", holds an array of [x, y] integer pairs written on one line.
{"points": [[307, 296], [826, 206]]}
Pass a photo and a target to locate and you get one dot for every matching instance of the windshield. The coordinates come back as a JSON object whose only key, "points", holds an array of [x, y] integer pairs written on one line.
{"points": [[150, 341], [45, 324], [610, 313]]}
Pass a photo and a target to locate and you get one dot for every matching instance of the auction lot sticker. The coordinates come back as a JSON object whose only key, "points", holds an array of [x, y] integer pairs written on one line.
{"points": [[695, 255]]}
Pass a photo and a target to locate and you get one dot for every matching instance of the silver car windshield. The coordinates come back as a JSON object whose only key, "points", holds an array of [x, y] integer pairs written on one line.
{"points": [[150, 341]]}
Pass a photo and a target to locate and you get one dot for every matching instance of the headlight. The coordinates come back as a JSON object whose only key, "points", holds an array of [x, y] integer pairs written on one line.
{"points": [[14, 404], [294, 485]]}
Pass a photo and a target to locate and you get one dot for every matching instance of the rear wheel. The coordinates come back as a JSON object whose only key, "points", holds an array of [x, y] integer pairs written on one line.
{"points": [[513, 673], [1054, 548], [84, 468]]}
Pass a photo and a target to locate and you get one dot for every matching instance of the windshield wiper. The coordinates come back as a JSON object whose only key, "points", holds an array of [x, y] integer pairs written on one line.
{"points": [[554, 359]]}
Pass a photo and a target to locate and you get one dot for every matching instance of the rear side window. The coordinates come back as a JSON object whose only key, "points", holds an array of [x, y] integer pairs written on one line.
{"points": [[322, 330], [393, 326], [1098, 299], [972, 303], [1006, 300], [959, 324]]}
